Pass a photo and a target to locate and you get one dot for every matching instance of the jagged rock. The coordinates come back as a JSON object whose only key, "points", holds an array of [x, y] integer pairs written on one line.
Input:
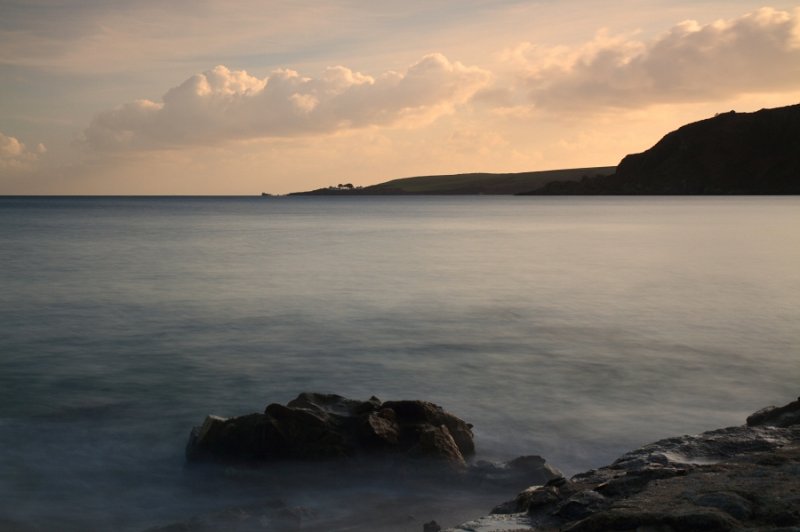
{"points": [[783, 416], [437, 442], [381, 428], [737, 478], [327, 426], [413, 414]]}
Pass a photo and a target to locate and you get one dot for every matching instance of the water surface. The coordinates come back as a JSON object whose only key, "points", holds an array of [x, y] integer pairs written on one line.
{"points": [[574, 328]]}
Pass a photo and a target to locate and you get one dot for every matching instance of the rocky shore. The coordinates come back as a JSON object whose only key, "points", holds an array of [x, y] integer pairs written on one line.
{"points": [[736, 478]]}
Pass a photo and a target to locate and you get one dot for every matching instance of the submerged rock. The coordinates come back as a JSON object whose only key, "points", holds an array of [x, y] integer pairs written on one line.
{"points": [[327, 426], [737, 478], [431, 526]]}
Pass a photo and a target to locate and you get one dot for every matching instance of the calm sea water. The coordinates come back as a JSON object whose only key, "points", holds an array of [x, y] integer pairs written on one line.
{"points": [[572, 328]]}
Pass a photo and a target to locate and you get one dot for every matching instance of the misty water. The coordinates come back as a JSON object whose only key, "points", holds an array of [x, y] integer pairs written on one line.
{"points": [[573, 328]]}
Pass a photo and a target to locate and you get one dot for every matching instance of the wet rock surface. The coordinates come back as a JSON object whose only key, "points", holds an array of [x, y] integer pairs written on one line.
{"points": [[784, 416], [738, 478], [325, 462], [326, 426]]}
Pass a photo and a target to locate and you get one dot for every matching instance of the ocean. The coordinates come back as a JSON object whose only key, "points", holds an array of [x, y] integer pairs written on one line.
{"points": [[572, 328]]}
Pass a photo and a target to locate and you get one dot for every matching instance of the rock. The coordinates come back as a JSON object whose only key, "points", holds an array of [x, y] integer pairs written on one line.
{"points": [[381, 429], [737, 478], [199, 436], [309, 434], [436, 442], [327, 426], [731, 503], [784, 416], [538, 497], [518, 473], [534, 466], [637, 519], [580, 505], [251, 437], [410, 414], [496, 523], [334, 404], [432, 526]]}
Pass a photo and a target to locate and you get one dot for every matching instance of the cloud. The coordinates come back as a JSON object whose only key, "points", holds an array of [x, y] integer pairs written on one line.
{"points": [[755, 53], [14, 155], [221, 104]]}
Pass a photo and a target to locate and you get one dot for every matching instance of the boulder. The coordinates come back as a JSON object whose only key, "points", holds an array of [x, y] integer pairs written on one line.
{"points": [[326, 426]]}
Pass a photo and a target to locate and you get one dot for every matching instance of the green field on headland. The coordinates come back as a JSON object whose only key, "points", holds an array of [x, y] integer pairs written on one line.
{"points": [[476, 183]]}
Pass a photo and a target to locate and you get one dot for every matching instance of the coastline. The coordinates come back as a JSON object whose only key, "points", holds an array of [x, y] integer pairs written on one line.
{"points": [[735, 478]]}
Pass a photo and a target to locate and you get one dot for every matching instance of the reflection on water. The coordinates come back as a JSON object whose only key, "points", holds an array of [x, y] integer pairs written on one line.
{"points": [[572, 328]]}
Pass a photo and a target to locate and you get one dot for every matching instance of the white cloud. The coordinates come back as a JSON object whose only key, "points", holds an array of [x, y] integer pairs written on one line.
{"points": [[14, 155], [221, 104], [755, 53]]}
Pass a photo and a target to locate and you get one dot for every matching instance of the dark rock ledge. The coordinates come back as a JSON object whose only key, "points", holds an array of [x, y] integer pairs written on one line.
{"points": [[737, 478]]}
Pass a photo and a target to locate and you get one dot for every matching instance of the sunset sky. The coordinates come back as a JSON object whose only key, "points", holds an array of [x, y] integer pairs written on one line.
{"points": [[240, 97]]}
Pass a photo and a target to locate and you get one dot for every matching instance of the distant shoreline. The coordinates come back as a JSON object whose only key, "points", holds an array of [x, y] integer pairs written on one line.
{"points": [[469, 184], [732, 153]]}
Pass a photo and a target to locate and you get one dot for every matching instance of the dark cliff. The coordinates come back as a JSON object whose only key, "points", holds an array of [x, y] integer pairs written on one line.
{"points": [[732, 153]]}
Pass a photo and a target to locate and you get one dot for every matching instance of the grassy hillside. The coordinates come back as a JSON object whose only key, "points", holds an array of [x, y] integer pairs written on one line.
{"points": [[478, 183]]}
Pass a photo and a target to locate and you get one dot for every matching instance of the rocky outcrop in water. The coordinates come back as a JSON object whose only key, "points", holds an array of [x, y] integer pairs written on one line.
{"points": [[319, 427], [360, 466], [737, 478]]}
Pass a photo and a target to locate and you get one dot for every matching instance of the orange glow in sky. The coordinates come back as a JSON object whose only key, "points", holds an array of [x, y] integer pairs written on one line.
{"points": [[242, 97]]}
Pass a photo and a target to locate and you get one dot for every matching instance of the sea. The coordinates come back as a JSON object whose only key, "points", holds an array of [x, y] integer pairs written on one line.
{"points": [[575, 328]]}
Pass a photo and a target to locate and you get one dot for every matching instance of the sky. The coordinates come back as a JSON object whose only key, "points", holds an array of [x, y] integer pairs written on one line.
{"points": [[244, 96]]}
